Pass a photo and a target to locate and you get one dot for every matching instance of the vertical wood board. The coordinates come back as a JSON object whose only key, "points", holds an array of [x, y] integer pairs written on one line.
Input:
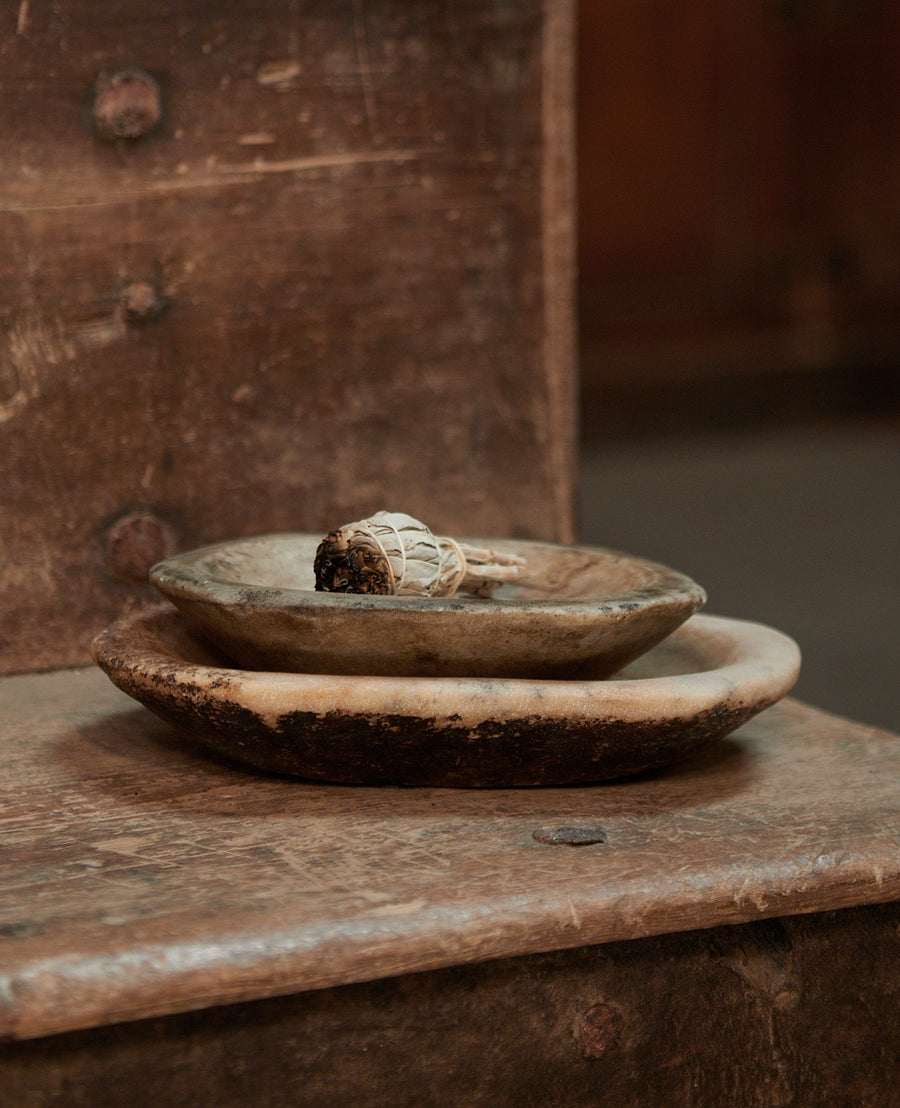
{"points": [[345, 234]]}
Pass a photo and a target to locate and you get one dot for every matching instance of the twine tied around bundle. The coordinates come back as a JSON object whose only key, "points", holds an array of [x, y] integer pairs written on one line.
{"points": [[393, 554]]}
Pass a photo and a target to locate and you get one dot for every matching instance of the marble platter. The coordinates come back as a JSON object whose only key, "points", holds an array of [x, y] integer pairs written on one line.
{"points": [[700, 684], [580, 611]]}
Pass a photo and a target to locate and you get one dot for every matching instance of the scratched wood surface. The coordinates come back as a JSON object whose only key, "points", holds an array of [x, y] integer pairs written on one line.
{"points": [[335, 276], [798, 1012], [140, 877]]}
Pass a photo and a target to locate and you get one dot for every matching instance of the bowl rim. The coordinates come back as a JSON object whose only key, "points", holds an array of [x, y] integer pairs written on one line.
{"points": [[757, 664], [179, 576]]}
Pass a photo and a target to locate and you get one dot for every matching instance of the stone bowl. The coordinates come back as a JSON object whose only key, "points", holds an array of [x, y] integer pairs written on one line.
{"points": [[707, 679], [578, 612]]}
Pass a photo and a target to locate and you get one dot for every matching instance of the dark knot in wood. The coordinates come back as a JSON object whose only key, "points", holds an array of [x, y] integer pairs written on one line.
{"points": [[135, 543], [598, 1030], [127, 104], [140, 301]]}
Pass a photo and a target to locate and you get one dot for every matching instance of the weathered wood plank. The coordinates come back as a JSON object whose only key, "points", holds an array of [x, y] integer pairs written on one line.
{"points": [[336, 277], [141, 877], [800, 1011]]}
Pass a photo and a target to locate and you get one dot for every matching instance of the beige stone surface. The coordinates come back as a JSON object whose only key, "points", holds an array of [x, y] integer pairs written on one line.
{"points": [[705, 680]]}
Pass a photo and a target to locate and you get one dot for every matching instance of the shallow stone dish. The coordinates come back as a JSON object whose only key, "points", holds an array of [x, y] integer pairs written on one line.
{"points": [[703, 682], [579, 611]]}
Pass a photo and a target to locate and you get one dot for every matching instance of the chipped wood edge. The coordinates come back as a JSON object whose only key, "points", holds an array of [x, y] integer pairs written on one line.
{"points": [[86, 989]]}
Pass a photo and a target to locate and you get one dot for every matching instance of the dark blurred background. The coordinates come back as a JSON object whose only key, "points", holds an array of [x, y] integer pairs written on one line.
{"points": [[739, 198]]}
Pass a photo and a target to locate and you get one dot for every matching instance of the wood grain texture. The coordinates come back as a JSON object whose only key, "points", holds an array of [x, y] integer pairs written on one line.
{"points": [[785, 1013], [336, 277], [141, 878]]}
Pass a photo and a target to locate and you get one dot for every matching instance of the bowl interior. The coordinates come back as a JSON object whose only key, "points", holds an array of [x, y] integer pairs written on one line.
{"points": [[552, 572], [576, 611]]}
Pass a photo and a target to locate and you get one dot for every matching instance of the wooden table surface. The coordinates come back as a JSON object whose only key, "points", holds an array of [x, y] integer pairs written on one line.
{"points": [[139, 876]]}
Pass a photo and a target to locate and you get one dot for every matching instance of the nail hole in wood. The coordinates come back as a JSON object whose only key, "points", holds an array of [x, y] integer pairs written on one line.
{"points": [[570, 836]]}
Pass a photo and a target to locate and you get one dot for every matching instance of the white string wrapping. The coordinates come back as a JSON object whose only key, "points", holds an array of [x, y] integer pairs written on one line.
{"points": [[403, 557]]}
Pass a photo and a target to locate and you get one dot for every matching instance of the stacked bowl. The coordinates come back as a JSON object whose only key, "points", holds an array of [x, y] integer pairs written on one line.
{"points": [[593, 665]]}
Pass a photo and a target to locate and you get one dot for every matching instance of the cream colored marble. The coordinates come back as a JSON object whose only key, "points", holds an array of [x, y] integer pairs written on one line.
{"points": [[578, 611], [705, 680]]}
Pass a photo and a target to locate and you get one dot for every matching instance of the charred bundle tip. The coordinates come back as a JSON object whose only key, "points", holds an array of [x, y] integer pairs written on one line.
{"points": [[392, 554]]}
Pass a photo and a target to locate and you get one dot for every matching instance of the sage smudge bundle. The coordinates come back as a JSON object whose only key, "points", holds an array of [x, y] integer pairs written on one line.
{"points": [[392, 554]]}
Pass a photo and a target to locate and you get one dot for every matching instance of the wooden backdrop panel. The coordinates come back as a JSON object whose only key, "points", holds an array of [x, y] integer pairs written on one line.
{"points": [[335, 277]]}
